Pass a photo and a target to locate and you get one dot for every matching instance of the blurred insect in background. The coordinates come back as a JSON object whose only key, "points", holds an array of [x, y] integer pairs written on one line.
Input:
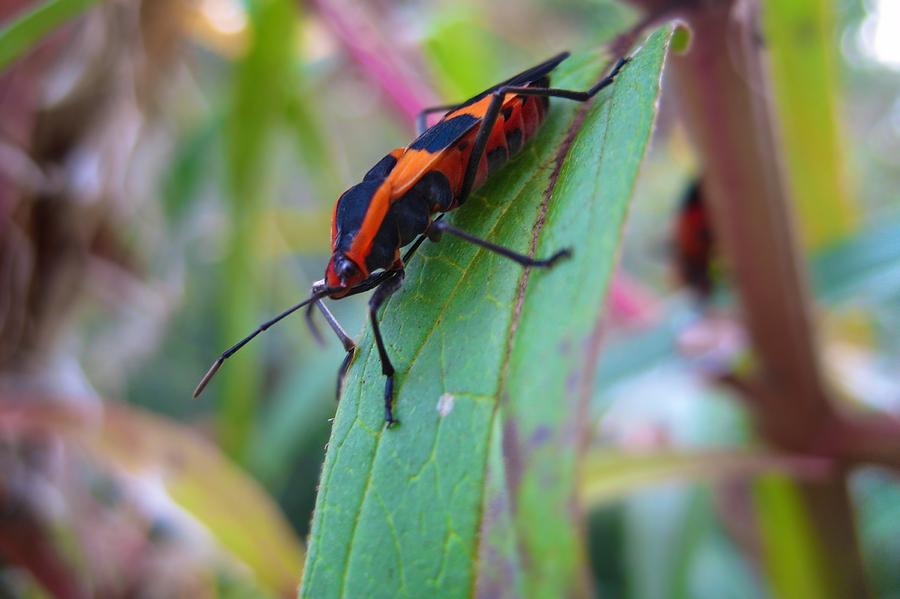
{"points": [[396, 201], [693, 245]]}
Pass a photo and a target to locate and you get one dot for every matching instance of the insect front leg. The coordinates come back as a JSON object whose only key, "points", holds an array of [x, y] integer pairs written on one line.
{"points": [[382, 293], [346, 341]]}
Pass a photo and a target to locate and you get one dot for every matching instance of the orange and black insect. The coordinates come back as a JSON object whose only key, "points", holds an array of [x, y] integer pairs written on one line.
{"points": [[693, 242], [396, 202]]}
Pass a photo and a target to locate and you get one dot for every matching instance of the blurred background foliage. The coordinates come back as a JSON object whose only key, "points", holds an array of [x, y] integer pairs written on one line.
{"points": [[167, 175]]}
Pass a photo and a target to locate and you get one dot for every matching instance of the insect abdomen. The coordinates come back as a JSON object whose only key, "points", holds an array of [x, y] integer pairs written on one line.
{"points": [[521, 119]]}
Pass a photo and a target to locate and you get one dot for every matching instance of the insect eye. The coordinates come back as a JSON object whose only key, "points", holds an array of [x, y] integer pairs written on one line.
{"points": [[345, 268]]}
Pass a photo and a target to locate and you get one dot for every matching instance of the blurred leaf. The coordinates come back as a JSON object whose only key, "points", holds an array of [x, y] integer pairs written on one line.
{"points": [[189, 167], [662, 532], [718, 569], [799, 36], [665, 526], [605, 543], [462, 52], [287, 231], [610, 476], [26, 30], [260, 89], [399, 511], [500, 572], [864, 265], [296, 413], [208, 486], [877, 498], [792, 559], [313, 143]]}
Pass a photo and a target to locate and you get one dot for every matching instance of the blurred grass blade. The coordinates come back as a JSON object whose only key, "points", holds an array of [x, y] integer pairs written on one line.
{"points": [[611, 476], [24, 31], [799, 36], [790, 547], [462, 52], [259, 96], [314, 145], [663, 530], [183, 182], [399, 512], [235, 510], [294, 416]]}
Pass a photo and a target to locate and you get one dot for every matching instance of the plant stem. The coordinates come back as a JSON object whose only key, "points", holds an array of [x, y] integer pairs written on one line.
{"points": [[722, 85]]}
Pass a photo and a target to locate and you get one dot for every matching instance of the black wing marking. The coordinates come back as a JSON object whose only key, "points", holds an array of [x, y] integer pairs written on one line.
{"points": [[444, 133], [381, 170]]}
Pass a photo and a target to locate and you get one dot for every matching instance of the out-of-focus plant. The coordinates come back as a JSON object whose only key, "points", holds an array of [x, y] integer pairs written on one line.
{"points": [[725, 75], [258, 100], [28, 28], [134, 169], [99, 499], [804, 79]]}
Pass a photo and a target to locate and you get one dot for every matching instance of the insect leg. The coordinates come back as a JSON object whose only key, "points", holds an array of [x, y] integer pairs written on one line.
{"points": [[370, 283], [480, 144], [318, 286], [346, 341], [490, 117], [522, 259], [382, 293], [568, 94], [422, 124]]}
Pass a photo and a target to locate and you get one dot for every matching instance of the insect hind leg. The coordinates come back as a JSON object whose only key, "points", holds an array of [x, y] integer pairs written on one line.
{"points": [[444, 227], [498, 97]]}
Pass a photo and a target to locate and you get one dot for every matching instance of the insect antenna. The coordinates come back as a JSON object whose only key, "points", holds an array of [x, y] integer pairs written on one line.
{"points": [[315, 296]]}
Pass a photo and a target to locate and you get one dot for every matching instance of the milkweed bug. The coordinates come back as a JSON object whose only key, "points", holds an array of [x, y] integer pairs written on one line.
{"points": [[396, 201], [693, 242]]}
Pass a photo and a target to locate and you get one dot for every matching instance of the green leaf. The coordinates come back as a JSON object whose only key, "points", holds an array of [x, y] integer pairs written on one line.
{"points": [[24, 31], [558, 334], [791, 548], [477, 343], [461, 51]]}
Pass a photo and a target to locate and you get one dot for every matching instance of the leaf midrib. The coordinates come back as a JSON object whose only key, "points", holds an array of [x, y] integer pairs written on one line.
{"points": [[558, 160]]}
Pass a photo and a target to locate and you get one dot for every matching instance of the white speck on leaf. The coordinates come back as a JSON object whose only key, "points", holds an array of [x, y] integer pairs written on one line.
{"points": [[445, 404]]}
